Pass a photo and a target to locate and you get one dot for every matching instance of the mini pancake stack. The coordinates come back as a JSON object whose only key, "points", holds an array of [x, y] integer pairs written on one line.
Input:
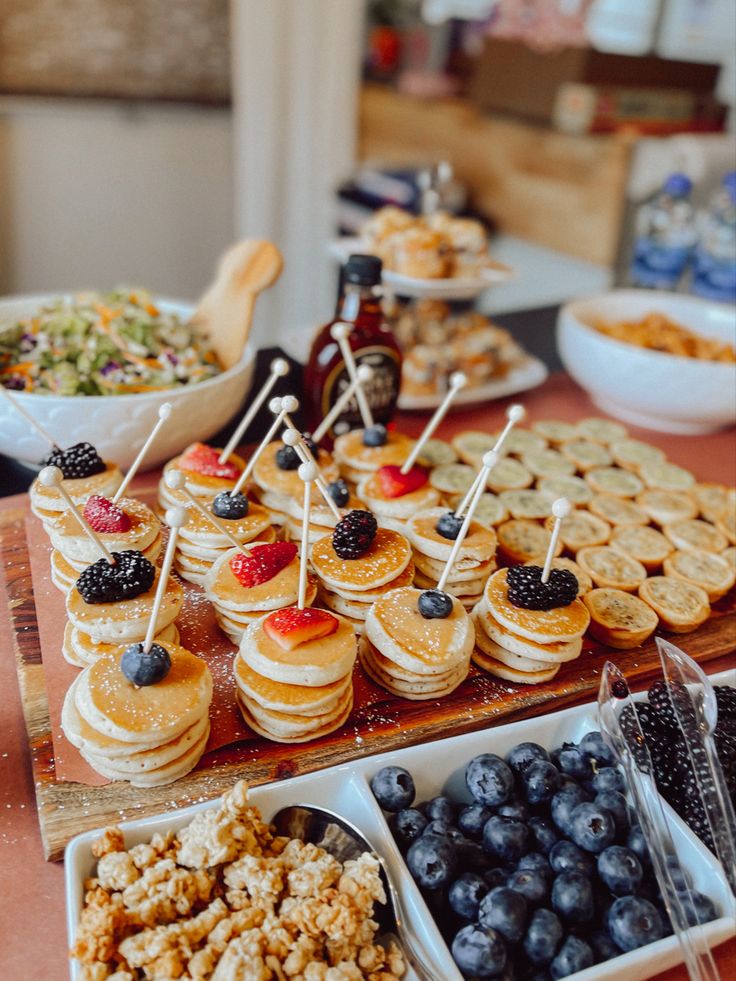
{"points": [[472, 566], [201, 544], [411, 656], [149, 736], [116, 622], [349, 586], [525, 645], [358, 459], [294, 674], [205, 476], [394, 497], [242, 591], [278, 487], [73, 551], [49, 505]]}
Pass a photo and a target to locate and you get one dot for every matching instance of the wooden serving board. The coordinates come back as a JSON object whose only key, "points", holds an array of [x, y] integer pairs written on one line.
{"points": [[379, 722]]}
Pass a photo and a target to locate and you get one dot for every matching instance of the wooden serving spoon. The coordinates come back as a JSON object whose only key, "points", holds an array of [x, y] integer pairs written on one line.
{"points": [[225, 311]]}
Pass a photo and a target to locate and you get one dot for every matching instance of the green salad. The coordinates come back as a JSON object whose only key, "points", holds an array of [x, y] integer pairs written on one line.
{"points": [[113, 343]]}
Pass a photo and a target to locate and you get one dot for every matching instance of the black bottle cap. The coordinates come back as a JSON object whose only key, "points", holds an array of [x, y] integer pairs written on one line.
{"points": [[363, 270]]}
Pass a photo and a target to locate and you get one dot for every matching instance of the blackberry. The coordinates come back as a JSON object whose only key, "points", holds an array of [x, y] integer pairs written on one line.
{"points": [[339, 492], [131, 575], [354, 534], [726, 701], [661, 701], [526, 589], [230, 506], [80, 460]]}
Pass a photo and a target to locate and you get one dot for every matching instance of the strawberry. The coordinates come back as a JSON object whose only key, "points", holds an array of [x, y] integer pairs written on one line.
{"points": [[105, 517], [291, 627], [394, 483], [206, 460], [263, 563]]}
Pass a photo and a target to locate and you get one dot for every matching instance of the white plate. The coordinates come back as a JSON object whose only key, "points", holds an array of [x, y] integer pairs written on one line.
{"points": [[528, 374], [437, 768], [452, 288]]}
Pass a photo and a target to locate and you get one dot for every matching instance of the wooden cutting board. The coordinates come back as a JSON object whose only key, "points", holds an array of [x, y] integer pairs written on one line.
{"points": [[379, 722]]}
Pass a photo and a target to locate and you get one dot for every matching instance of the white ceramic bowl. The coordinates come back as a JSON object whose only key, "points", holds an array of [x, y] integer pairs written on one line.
{"points": [[650, 388], [117, 425]]}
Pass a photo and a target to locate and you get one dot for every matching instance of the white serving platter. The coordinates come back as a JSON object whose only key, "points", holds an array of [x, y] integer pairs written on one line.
{"points": [[437, 767], [451, 288], [529, 373]]}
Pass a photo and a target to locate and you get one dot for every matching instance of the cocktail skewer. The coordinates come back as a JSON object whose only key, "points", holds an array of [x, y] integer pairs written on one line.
{"points": [[276, 405], [561, 509], [175, 518], [164, 413], [339, 333], [292, 437], [490, 459], [176, 481], [458, 380], [514, 414], [308, 473], [279, 369], [53, 477], [29, 418], [363, 374]]}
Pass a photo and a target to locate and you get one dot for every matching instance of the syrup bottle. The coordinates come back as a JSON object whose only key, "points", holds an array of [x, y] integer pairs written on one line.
{"points": [[371, 341]]}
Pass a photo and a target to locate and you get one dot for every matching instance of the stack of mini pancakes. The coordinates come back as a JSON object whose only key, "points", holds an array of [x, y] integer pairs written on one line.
{"points": [[293, 696], [394, 512], [199, 484], [200, 544], [73, 551], [149, 736], [238, 606], [350, 586], [356, 461], [414, 657], [116, 623], [48, 504], [470, 570], [277, 489], [521, 645]]}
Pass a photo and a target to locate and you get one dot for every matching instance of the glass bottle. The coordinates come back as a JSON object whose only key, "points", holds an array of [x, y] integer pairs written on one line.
{"points": [[665, 236]]}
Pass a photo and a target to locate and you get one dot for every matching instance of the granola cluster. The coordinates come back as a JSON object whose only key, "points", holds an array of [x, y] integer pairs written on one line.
{"points": [[227, 900]]}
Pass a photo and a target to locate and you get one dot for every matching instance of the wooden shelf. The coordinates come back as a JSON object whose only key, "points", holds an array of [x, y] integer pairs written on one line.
{"points": [[564, 192]]}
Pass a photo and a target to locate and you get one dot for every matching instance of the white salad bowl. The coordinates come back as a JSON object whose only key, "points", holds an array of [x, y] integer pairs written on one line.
{"points": [[648, 388], [117, 425]]}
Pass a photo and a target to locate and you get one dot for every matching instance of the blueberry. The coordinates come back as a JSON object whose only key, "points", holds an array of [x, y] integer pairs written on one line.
{"points": [[472, 818], [634, 922], [572, 897], [574, 762], [375, 435], [465, 895], [505, 838], [393, 788], [698, 908], [524, 754], [495, 877], [541, 780], [408, 825], [592, 828], [620, 870], [531, 884], [637, 843], [489, 780], [287, 458], [504, 910], [339, 492], [432, 861], [230, 506], [608, 778], [479, 952], [434, 604], [543, 833], [537, 863], [143, 668], [567, 857], [514, 809], [471, 857], [573, 956], [543, 936], [440, 808], [603, 947], [438, 827], [449, 525], [567, 782], [563, 804], [615, 803], [594, 746]]}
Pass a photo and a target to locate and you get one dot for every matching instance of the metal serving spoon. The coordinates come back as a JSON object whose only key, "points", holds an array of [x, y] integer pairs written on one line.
{"points": [[340, 838]]}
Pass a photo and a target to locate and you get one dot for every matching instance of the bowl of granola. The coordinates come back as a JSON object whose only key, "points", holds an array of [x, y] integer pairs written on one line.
{"points": [[97, 368]]}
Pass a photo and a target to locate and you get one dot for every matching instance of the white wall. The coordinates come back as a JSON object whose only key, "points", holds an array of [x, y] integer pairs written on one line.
{"points": [[93, 194]]}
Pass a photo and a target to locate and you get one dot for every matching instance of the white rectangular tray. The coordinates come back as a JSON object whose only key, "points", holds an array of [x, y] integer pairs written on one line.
{"points": [[437, 768]]}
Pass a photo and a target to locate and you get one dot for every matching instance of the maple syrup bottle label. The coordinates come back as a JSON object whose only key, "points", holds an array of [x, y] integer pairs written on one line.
{"points": [[382, 391]]}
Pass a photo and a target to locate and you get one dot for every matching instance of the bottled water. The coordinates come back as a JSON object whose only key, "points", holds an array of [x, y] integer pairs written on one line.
{"points": [[665, 235], [714, 265]]}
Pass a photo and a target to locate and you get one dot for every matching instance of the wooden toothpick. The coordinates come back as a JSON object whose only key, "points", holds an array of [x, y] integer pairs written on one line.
{"points": [[363, 374], [561, 508], [308, 473], [339, 333], [53, 477], [29, 418], [458, 380], [279, 369], [514, 414], [164, 413], [490, 459], [275, 405], [176, 518]]}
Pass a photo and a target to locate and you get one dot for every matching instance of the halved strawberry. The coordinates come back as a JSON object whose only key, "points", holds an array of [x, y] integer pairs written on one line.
{"points": [[105, 517], [206, 460], [394, 483], [263, 563], [291, 627]]}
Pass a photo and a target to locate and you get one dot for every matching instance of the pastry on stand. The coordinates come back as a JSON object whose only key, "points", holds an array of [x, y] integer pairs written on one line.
{"points": [[142, 714], [294, 668]]}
